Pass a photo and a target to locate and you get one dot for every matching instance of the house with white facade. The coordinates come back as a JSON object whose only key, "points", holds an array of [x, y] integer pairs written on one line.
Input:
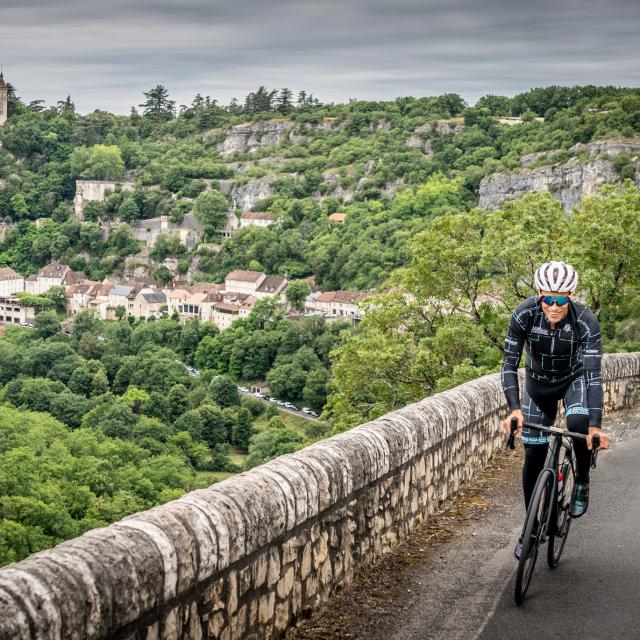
{"points": [[12, 311], [256, 219], [54, 274], [337, 304], [224, 314], [149, 303], [10, 282], [241, 281]]}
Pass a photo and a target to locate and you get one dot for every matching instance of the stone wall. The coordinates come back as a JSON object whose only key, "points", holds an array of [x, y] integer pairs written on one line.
{"points": [[87, 190], [245, 557]]}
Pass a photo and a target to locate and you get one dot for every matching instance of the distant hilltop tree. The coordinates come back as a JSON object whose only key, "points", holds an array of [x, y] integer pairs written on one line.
{"points": [[157, 105]]}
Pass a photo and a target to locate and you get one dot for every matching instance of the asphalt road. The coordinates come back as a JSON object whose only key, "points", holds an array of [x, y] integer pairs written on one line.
{"points": [[462, 588], [595, 591]]}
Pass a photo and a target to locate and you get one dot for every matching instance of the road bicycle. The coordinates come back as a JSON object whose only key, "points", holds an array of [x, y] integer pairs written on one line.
{"points": [[548, 516]]}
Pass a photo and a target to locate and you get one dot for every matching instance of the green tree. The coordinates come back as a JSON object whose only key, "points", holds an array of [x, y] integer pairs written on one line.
{"points": [[316, 388], [296, 293], [46, 324], [214, 428], [242, 430], [128, 211], [223, 391], [210, 208], [178, 401], [271, 443], [100, 162], [157, 105]]}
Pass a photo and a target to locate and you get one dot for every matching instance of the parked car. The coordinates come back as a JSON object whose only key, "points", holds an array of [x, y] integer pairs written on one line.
{"points": [[272, 399], [243, 389], [281, 403], [257, 394], [294, 408], [288, 405], [306, 410], [313, 413]]}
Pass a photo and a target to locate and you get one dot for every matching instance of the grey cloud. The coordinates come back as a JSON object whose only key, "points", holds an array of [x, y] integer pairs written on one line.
{"points": [[105, 55]]}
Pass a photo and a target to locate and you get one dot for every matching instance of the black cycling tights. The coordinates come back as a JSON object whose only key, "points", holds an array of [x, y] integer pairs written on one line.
{"points": [[536, 454], [539, 406]]}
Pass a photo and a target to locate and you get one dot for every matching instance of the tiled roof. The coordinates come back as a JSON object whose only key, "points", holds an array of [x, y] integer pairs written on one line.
{"points": [[7, 273], [120, 290], [53, 270], [345, 297], [271, 284], [338, 217], [153, 297], [177, 294], [257, 215], [245, 276], [224, 306]]}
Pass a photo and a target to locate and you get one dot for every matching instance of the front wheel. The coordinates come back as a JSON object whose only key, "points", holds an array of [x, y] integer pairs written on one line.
{"points": [[561, 518], [534, 532]]}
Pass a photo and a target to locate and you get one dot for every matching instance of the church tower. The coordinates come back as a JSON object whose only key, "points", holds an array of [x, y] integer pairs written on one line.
{"points": [[3, 100]]}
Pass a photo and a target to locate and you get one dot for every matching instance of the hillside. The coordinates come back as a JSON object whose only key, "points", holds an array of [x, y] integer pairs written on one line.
{"points": [[391, 167]]}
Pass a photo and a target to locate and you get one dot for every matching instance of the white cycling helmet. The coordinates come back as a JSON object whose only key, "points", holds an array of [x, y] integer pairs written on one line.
{"points": [[557, 277]]}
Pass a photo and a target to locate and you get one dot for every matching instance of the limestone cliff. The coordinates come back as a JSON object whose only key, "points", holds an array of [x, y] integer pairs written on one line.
{"points": [[254, 135], [420, 138], [257, 135], [590, 168], [244, 196]]}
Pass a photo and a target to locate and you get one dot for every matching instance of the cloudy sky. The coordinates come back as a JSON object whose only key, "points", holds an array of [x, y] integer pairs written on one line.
{"points": [[105, 54]]}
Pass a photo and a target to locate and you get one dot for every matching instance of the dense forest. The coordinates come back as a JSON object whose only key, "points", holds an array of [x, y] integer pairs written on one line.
{"points": [[109, 417]]}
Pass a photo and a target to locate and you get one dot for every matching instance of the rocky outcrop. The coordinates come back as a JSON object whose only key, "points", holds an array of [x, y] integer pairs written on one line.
{"points": [[420, 137], [570, 182], [244, 196], [418, 142], [253, 136]]}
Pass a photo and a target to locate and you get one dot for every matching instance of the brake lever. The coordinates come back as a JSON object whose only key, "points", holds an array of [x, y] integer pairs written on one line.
{"points": [[511, 441], [595, 447]]}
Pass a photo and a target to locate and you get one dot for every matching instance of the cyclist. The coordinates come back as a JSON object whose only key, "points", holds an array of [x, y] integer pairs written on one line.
{"points": [[561, 337]]}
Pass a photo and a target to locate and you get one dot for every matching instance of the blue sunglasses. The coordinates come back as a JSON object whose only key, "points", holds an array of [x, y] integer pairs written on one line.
{"points": [[559, 300]]}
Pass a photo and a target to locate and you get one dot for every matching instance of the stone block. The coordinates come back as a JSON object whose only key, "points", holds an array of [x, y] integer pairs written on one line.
{"points": [[285, 584], [232, 592], [260, 568], [305, 565], [273, 574], [281, 619], [213, 596], [215, 625], [266, 607]]}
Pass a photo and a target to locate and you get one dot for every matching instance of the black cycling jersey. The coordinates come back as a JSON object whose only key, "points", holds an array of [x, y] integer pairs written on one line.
{"points": [[554, 356]]}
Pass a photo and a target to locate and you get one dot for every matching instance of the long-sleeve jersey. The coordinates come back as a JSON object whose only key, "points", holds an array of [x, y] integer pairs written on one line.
{"points": [[555, 355]]}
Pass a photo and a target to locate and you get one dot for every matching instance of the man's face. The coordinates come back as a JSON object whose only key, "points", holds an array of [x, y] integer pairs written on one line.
{"points": [[555, 312]]}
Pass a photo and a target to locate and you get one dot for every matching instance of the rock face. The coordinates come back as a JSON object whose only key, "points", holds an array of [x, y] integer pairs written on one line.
{"points": [[569, 182], [244, 558], [419, 139], [244, 196], [253, 136], [257, 135]]}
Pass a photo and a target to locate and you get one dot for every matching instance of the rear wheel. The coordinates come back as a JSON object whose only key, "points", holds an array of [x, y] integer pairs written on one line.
{"points": [[561, 519], [534, 532]]}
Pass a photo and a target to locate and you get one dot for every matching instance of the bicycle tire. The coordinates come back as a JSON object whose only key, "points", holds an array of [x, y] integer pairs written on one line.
{"points": [[532, 535], [561, 518]]}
